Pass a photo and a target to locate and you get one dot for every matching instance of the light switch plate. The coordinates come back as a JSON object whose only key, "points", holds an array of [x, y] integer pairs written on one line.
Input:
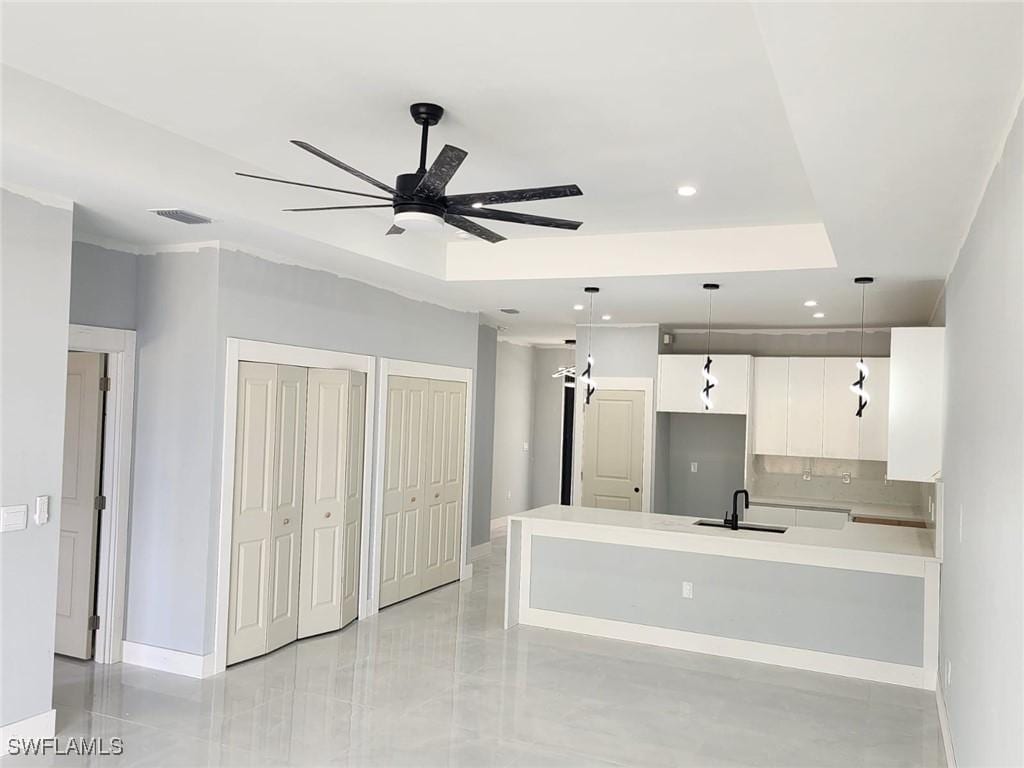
{"points": [[688, 590], [693, 466], [42, 510], [13, 518]]}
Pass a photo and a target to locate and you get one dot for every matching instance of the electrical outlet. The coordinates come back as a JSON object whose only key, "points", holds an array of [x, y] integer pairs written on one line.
{"points": [[846, 478], [807, 474], [688, 590], [949, 673], [526, 447], [42, 510], [693, 466]]}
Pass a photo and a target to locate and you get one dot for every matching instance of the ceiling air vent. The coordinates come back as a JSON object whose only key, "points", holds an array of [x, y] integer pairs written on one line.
{"points": [[180, 215]]}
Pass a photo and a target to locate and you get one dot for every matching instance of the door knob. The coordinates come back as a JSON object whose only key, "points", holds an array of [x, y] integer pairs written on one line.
{"points": [[414, 498], [437, 495], [327, 514], [636, 490], [286, 521]]}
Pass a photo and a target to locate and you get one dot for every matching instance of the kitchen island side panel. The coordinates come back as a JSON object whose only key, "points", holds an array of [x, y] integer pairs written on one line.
{"points": [[867, 615]]}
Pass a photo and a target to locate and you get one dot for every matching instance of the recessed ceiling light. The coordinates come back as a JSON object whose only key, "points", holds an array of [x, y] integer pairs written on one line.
{"points": [[810, 303], [818, 315], [578, 307], [478, 205], [606, 317], [687, 191]]}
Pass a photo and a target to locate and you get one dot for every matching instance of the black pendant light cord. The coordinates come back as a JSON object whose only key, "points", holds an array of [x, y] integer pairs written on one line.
{"points": [[588, 372], [858, 385]]}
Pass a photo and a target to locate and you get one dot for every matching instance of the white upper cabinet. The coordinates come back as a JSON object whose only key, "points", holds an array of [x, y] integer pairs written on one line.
{"points": [[840, 425], [874, 424], [805, 406], [916, 397], [771, 392], [680, 381]]}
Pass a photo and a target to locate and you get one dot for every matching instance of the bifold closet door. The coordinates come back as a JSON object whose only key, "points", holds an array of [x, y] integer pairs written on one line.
{"points": [[325, 495], [267, 509], [404, 488], [442, 530], [352, 538]]}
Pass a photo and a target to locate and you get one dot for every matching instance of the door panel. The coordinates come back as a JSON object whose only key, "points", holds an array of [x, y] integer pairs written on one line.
{"points": [[454, 472], [248, 618], [352, 536], [286, 515], [79, 520], [323, 513], [613, 439]]}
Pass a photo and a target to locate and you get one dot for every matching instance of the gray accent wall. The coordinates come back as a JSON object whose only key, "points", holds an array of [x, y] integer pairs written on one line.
{"points": [[548, 396], [981, 622], [810, 343], [103, 286], [35, 279], [620, 351], [483, 438], [852, 613], [717, 442], [513, 429]]}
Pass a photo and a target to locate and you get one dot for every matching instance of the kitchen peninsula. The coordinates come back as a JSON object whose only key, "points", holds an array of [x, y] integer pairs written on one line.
{"points": [[859, 601]]}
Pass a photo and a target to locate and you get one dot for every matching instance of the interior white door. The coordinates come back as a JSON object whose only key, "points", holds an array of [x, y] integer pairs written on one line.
{"points": [[351, 538], [805, 409], [840, 425], [874, 424], [613, 438], [442, 530], [324, 501], [76, 564], [404, 487], [251, 511], [286, 514]]}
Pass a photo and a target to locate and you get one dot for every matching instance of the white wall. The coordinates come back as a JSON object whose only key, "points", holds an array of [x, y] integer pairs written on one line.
{"points": [[548, 393], [35, 277], [513, 427], [981, 621]]}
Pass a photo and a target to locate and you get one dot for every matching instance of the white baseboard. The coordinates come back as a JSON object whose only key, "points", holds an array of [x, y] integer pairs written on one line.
{"points": [[167, 660], [41, 726], [480, 550], [947, 736]]}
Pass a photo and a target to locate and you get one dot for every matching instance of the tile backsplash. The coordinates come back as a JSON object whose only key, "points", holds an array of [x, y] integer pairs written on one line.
{"points": [[783, 476]]}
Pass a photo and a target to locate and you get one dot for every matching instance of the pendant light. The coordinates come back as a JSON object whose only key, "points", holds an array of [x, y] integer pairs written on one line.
{"points": [[858, 387], [587, 377], [709, 381]]}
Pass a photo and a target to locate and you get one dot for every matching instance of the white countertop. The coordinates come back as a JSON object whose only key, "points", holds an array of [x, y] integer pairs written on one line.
{"points": [[853, 537], [855, 508]]}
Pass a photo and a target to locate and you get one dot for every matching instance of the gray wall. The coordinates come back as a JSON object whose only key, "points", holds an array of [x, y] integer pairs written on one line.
{"points": [[618, 351], [767, 344], [35, 278], [483, 438], [170, 592], [982, 628], [718, 444], [188, 304], [513, 427], [853, 613], [103, 286], [548, 393]]}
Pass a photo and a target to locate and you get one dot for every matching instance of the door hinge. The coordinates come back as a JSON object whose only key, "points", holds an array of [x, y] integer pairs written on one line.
{"points": [[101, 503], [94, 622], [104, 383]]}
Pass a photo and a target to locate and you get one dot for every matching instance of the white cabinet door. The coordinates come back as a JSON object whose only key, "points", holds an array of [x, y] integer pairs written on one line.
{"points": [[286, 512], [916, 396], [771, 393], [805, 406], [76, 560], [679, 383], [874, 424], [681, 380], [840, 425], [770, 515], [323, 509]]}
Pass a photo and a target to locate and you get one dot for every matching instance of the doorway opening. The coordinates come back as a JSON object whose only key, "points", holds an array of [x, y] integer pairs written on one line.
{"points": [[568, 417]]}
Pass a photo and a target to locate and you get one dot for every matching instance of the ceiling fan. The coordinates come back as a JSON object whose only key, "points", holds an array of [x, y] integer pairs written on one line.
{"points": [[419, 200]]}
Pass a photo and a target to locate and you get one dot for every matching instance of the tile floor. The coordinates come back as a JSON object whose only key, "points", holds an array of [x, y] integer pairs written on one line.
{"points": [[436, 681]]}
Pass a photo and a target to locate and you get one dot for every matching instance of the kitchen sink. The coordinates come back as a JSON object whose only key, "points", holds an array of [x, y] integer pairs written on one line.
{"points": [[742, 526]]}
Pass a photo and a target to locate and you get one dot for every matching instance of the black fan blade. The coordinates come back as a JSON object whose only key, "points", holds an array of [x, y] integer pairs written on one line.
{"points": [[517, 218], [337, 163], [516, 195], [473, 228], [311, 186], [440, 172], [394, 229], [336, 208]]}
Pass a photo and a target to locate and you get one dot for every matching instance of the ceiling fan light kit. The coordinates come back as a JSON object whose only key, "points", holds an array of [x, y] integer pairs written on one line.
{"points": [[418, 199]]}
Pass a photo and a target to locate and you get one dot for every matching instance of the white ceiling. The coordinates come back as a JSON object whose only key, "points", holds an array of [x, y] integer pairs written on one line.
{"points": [[882, 122]]}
